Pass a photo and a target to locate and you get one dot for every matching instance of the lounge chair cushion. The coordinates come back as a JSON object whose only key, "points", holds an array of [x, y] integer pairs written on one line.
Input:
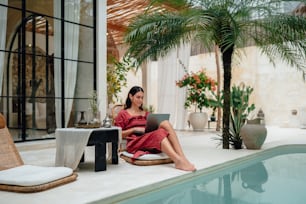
{"points": [[17, 177], [28, 175], [146, 159]]}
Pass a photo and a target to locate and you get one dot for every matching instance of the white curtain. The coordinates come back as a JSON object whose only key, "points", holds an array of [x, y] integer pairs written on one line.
{"points": [[72, 13], [171, 98], [3, 22]]}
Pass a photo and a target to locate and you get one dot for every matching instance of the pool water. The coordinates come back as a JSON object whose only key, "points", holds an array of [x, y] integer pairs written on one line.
{"points": [[273, 177]]}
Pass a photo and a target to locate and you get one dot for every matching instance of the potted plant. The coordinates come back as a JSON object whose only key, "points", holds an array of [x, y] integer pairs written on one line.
{"points": [[213, 116], [200, 88], [240, 110]]}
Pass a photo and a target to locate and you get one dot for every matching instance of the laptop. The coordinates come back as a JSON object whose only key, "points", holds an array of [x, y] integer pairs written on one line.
{"points": [[153, 121]]}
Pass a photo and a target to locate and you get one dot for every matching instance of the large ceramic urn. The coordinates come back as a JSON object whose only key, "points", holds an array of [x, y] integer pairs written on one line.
{"points": [[253, 134], [198, 120]]}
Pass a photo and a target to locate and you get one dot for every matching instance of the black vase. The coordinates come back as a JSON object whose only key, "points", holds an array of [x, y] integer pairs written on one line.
{"points": [[82, 120]]}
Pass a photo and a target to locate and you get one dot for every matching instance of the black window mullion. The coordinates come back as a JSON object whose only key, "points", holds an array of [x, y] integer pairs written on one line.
{"points": [[34, 81], [63, 62], [94, 45], [23, 62]]}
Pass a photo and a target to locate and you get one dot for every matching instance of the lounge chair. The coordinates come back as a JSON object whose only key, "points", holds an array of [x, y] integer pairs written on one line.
{"points": [[17, 177], [144, 160]]}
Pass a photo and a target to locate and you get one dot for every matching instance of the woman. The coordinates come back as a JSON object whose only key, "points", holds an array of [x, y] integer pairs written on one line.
{"points": [[132, 120]]}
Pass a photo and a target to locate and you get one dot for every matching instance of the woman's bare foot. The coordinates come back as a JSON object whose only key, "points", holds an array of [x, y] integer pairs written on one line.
{"points": [[185, 165]]}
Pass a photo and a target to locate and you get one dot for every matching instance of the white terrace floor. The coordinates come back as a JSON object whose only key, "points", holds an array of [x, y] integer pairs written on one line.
{"points": [[110, 185]]}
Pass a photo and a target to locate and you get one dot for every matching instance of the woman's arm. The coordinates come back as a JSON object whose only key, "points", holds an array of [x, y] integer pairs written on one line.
{"points": [[132, 130], [127, 132]]}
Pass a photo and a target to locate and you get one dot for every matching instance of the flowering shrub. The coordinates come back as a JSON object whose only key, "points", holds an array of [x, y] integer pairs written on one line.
{"points": [[200, 88]]}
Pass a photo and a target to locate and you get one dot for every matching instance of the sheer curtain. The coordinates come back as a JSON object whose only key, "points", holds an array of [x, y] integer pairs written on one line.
{"points": [[71, 39], [171, 98], [3, 22]]}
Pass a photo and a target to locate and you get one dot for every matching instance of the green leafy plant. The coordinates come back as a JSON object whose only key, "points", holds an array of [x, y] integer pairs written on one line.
{"points": [[116, 77]]}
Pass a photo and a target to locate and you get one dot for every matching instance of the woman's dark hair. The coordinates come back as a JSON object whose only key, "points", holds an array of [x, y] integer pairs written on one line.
{"points": [[133, 91]]}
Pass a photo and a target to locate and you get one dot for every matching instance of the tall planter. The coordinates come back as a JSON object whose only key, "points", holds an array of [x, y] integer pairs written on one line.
{"points": [[253, 134], [198, 120]]}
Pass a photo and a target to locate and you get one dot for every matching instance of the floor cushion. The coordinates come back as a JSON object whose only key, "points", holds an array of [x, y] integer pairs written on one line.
{"points": [[146, 159], [28, 175]]}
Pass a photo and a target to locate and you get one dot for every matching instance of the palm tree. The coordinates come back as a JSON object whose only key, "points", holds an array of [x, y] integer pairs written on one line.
{"points": [[229, 24]]}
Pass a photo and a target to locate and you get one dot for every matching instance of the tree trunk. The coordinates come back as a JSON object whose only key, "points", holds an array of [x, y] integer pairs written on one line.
{"points": [[218, 126], [227, 67]]}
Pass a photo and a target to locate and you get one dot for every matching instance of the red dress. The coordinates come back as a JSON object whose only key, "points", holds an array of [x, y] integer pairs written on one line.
{"points": [[138, 145]]}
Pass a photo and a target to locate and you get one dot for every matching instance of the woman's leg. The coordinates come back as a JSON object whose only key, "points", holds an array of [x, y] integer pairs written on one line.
{"points": [[172, 147], [180, 161], [172, 137]]}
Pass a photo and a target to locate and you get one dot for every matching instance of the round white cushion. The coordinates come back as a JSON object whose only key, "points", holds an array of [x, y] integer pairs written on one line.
{"points": [[28, 175]]}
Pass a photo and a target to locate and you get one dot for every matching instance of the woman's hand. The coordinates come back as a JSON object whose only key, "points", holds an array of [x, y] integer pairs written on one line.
{"points": [[134, 130], [138, 130]]}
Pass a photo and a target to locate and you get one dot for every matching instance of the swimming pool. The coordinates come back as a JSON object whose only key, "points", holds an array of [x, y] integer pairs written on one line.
{"points": [[277, 175]]}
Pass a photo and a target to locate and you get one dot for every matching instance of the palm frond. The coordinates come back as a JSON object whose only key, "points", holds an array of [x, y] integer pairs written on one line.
{"points": [[154, 35], [283, 37]]}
